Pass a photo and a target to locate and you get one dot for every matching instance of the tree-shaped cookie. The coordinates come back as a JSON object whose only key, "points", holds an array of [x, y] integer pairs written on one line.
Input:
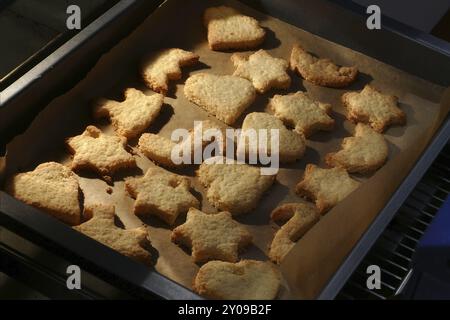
{"points": [[327, 187], [163, 66], [161, 193], [374, 108], [263, 70], [298, 218], [101, 227], [212, 236], [304, 114], [133, 115], [100, 152], [365, 152], [51, 187], [322, 72]]}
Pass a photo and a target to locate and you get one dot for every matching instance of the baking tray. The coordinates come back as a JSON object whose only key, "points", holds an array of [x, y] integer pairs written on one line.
{"points": [[303, 14]]}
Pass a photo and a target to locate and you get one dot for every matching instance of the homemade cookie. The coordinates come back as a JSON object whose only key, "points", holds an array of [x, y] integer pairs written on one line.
{"points": [[100, 152], [51, 187], [212, 236], [234, 187], [245, 280], [263, 70], [322, 72], [291, 145], [225, 97], [327, 187], [165, 65], [229, 29], [161, 193], [372, 107], [101, 228], [159, 149], [132, 116], [299, 111], [298, 219], [365, 152]]}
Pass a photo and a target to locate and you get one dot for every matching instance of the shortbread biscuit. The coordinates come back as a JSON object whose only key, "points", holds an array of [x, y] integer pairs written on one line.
{"points": [[229, 29], [132, 116], [322, 72], [212, 236], [263, 70], [291, 145], [372, 107], [245, 280], [100, 152], [51, 187], [233, 187], [298, 218], [161, 193], [101, 227], [225, 97], [327, 187], [163, 66], [365, 152], [299, 111], [159, 149]]}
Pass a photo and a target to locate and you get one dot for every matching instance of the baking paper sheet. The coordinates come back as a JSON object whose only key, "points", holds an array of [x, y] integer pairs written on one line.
{"points": [[318, 254]]}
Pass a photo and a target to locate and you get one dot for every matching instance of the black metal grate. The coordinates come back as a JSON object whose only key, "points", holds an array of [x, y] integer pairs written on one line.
{"points": [[394, 249]]}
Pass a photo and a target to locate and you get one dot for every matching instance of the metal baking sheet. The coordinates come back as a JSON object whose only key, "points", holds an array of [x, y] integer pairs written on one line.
{"points": [[297, 83]]}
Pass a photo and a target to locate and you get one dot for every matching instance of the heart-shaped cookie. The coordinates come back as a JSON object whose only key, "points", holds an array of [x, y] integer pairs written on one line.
{"points": [[245, 280], [229, 29], [226, 97], [51, 187]]}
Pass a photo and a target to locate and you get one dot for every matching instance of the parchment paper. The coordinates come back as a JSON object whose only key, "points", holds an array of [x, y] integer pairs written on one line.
{"points": [[179, 24]]}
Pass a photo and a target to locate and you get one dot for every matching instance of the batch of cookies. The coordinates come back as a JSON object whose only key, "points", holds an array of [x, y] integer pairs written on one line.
{"points": [[215, 240]]}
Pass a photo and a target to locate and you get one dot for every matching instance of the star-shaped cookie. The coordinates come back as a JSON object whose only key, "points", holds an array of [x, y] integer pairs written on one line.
{"points": [[225, 97], [244, 280], [322, 72], [327, 187], [229, 29], [101, 228], [304, 114], [365, 152], [100, 152], [132, 116], [163, 66], [212, 236], [233, 187], [161, 193], [373, 107], [263, 70], [291, 145], [51, 187], [298, 218]]}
